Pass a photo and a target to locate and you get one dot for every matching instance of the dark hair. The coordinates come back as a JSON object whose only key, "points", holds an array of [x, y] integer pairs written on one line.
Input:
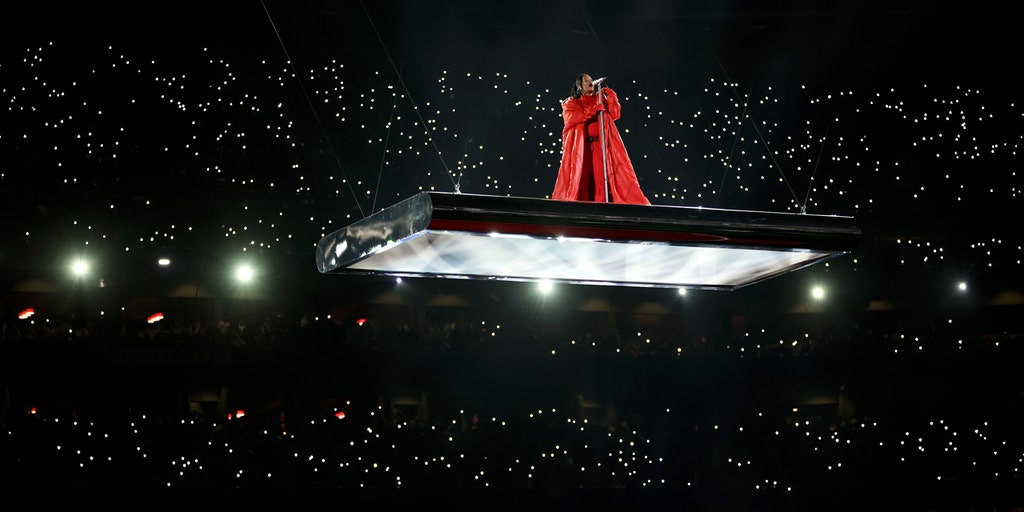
{"points": [[577, 87]]}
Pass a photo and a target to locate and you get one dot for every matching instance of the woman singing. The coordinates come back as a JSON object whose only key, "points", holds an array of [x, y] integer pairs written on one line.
{"points": [[581, 175]]}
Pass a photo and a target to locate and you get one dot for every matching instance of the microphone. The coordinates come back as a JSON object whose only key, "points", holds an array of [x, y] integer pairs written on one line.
{"points": [[597, 83]]}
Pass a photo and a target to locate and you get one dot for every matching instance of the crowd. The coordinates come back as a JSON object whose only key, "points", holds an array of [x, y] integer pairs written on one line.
{"points": [[927, 415]]}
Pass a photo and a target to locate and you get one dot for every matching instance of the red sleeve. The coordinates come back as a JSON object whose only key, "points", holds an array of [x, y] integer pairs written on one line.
{"points": [[574, 113], [612, 106]]}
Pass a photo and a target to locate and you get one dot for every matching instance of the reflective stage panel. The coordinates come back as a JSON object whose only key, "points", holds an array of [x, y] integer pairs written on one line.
{"points": [[469, 236]]}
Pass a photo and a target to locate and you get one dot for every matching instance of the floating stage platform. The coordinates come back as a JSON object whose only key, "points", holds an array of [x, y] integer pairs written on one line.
{"points": [[483, 237]]}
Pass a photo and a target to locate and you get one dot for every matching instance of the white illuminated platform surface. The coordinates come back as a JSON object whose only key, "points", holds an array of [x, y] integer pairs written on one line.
{"points": [[468, 236]]}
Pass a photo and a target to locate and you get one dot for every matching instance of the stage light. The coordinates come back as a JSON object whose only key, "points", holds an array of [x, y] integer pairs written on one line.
{"points": [[245, 273], [545, 286], [79, 268]]}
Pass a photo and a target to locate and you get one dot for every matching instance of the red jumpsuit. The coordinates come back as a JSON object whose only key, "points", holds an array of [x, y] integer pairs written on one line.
{"points": [[581, 173]]}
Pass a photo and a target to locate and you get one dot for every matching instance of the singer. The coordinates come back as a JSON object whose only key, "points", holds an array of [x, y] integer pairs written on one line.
{"points": [[589, 114]]}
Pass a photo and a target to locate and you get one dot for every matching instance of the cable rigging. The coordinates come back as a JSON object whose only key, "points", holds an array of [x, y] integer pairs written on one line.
{"points": [[313, 110], [419, 116]]}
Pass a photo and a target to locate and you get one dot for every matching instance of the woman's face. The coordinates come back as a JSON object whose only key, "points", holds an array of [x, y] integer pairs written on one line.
{"points": [[588, 84]]}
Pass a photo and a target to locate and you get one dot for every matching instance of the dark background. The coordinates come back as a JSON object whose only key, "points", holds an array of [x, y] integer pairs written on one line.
{"points": [[221, 133]]}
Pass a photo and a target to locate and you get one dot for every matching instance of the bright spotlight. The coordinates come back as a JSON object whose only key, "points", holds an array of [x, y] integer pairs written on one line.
{"points": [[682, 291], [544, 286], [962, 286], [818, 293], [80, 267], [244, 273]]}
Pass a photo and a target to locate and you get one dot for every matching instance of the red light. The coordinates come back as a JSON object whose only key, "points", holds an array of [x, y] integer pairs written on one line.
{"points": [[361, 321], [340, 415], [154, 318], [25, 313], [240, 413]]}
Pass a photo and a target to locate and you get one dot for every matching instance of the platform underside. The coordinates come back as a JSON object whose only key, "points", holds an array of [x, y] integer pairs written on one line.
{"points": [[467, 236]]}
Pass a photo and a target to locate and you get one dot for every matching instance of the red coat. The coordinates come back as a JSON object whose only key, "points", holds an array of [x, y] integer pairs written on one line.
{"points": [[623, 186]]}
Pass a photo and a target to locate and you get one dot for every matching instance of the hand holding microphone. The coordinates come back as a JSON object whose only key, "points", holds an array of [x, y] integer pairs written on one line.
{"points": [[597, 87]]}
